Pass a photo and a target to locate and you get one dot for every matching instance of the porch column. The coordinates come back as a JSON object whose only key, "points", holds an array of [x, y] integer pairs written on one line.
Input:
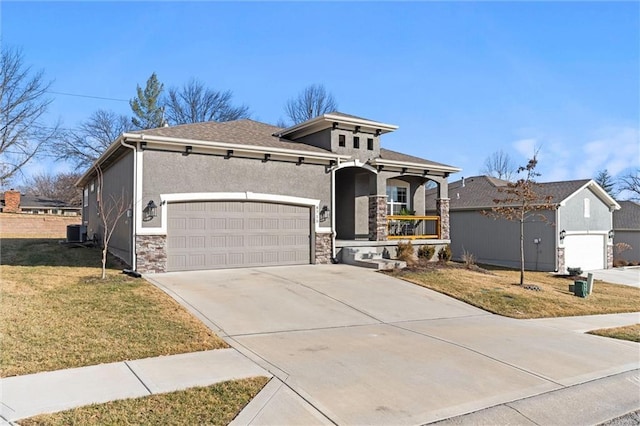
{"points": [[418, 203], [377, 218], [442, 207]]}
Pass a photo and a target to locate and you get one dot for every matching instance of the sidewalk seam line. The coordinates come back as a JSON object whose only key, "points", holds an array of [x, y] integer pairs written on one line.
{"points": [[138, 377], [518, 411]]}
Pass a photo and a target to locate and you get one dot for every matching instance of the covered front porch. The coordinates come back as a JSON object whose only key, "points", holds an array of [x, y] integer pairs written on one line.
{"points": [[382, 202]]}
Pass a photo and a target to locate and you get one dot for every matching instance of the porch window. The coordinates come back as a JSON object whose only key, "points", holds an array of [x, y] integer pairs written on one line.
{"points": [[341, 140], [396, 199], [356, 142], [370, 144]]}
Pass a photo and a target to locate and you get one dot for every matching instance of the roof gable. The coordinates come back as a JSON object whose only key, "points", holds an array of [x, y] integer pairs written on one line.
{"points": [[478, 192]]}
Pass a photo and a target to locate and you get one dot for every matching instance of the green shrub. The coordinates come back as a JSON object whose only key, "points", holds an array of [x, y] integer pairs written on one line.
{"points": [[444, 254], [426, 252]]}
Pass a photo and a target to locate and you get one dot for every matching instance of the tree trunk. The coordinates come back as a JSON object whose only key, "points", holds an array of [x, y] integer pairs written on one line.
{"points": [[522, 250], [104, 259]]}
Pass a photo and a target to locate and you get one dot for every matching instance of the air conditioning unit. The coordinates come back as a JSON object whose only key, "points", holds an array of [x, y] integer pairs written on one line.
{"points": [[76, 233]]}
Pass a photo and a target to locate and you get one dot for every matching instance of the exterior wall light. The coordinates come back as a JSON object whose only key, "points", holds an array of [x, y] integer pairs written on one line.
{"points": [[563, 234], [611, 234], [150, 211], [324, 213]]}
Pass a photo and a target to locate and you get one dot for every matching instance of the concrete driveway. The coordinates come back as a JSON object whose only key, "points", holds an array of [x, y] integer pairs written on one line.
{"points": [[629, 275], [358, 347]]}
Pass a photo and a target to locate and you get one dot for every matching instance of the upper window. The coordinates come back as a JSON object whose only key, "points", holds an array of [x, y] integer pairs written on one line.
{"points": [[86, 196], [370, 144], [341, 140], [587, 207], [356, 142]]}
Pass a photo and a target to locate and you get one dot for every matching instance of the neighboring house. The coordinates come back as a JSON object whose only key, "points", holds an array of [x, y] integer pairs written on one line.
{"points": [[14, 202], [626, 225], [577, 233], [244, 193]]}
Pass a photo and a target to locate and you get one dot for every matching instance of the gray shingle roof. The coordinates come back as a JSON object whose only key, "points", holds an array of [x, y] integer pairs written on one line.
{"points": [[628, 217], [241, 132], [387, 154], [480, 191], [37, 202]]}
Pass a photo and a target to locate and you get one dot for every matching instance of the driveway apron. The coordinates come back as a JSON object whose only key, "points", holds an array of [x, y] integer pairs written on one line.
{"points": [[365, 348]]}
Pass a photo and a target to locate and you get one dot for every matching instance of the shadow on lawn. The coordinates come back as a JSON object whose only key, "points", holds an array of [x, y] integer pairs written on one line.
{"points": [[50, 252]]}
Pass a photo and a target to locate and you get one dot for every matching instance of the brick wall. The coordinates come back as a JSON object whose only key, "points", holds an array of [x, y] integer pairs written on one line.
{"points": [[11, 201], [35, 226]]}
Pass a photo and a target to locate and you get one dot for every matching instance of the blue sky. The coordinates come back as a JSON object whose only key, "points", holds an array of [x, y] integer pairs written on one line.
{"points": [[461, 79]]}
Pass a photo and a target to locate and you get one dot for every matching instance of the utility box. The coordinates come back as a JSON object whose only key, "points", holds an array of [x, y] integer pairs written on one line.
{"points": [[76, 233], [580, 288]]}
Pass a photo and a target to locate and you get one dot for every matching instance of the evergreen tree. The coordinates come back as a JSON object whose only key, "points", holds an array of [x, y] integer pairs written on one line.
{"points": [[148, 113], [605, 180]]}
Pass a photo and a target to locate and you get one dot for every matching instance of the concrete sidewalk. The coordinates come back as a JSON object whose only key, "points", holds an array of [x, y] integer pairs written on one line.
{"points": [[49, 392]]}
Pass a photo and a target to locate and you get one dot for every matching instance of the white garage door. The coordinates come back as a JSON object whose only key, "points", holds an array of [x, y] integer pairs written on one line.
{"points": [[584, 251], [234, 234]]}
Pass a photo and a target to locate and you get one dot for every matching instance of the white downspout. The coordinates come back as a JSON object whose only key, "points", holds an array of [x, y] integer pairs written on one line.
{"points": [[134, 210], [333, 209]]}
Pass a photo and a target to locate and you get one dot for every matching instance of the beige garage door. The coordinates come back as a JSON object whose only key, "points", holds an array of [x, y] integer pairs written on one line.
{"points": [[234, 234]]}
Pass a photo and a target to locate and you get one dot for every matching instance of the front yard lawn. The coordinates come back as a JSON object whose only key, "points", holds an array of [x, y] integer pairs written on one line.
{"points": [[211, 405], [630, 332], [498, 291], [56, 312]]}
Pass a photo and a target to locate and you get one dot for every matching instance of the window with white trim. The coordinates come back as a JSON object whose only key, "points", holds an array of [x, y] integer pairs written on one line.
{"points": [[396, 199], [86, 196]]}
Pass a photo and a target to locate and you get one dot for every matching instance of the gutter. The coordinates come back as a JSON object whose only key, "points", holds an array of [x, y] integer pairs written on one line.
{"points": [[230, 146]]}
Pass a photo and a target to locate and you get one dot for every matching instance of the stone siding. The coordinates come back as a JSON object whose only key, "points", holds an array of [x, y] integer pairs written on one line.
{"points": [[377, 218], [609, 256], [442, 207], [151, 253], [561, 265], [323, 248]]}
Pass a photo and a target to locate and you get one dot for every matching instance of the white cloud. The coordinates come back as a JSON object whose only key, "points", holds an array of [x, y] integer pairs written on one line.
{"points": [[526, 147], [614, 148]]}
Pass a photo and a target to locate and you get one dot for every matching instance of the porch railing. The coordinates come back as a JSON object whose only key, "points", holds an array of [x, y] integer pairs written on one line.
{"points": [[413, 227]]}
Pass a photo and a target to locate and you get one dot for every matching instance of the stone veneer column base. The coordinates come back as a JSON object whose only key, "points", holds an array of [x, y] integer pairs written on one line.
{"points": [[377, 218], [323, 248], [561, 265], [442, 208], [151, 253], [609, 256]]}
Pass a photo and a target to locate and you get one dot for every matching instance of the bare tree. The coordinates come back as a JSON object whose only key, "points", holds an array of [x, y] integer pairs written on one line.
{"points": [[23, 105], [194, 103], [60, 187], [93, 136], [313, 101], [521, 203], [110, 210], [499, 165], [630, 182]]}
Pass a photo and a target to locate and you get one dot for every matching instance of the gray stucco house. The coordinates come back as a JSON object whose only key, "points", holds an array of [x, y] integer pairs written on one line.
{"points": [[626, 224], [576, 233], [244, 193]]}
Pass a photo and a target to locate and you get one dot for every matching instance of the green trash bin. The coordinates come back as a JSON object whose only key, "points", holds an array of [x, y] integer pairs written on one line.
{"points": [[580, 288]]}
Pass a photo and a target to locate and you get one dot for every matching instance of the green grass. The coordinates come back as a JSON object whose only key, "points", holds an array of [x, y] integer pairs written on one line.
{"points": [[630, 332], [212, 405], [56, 312]]}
